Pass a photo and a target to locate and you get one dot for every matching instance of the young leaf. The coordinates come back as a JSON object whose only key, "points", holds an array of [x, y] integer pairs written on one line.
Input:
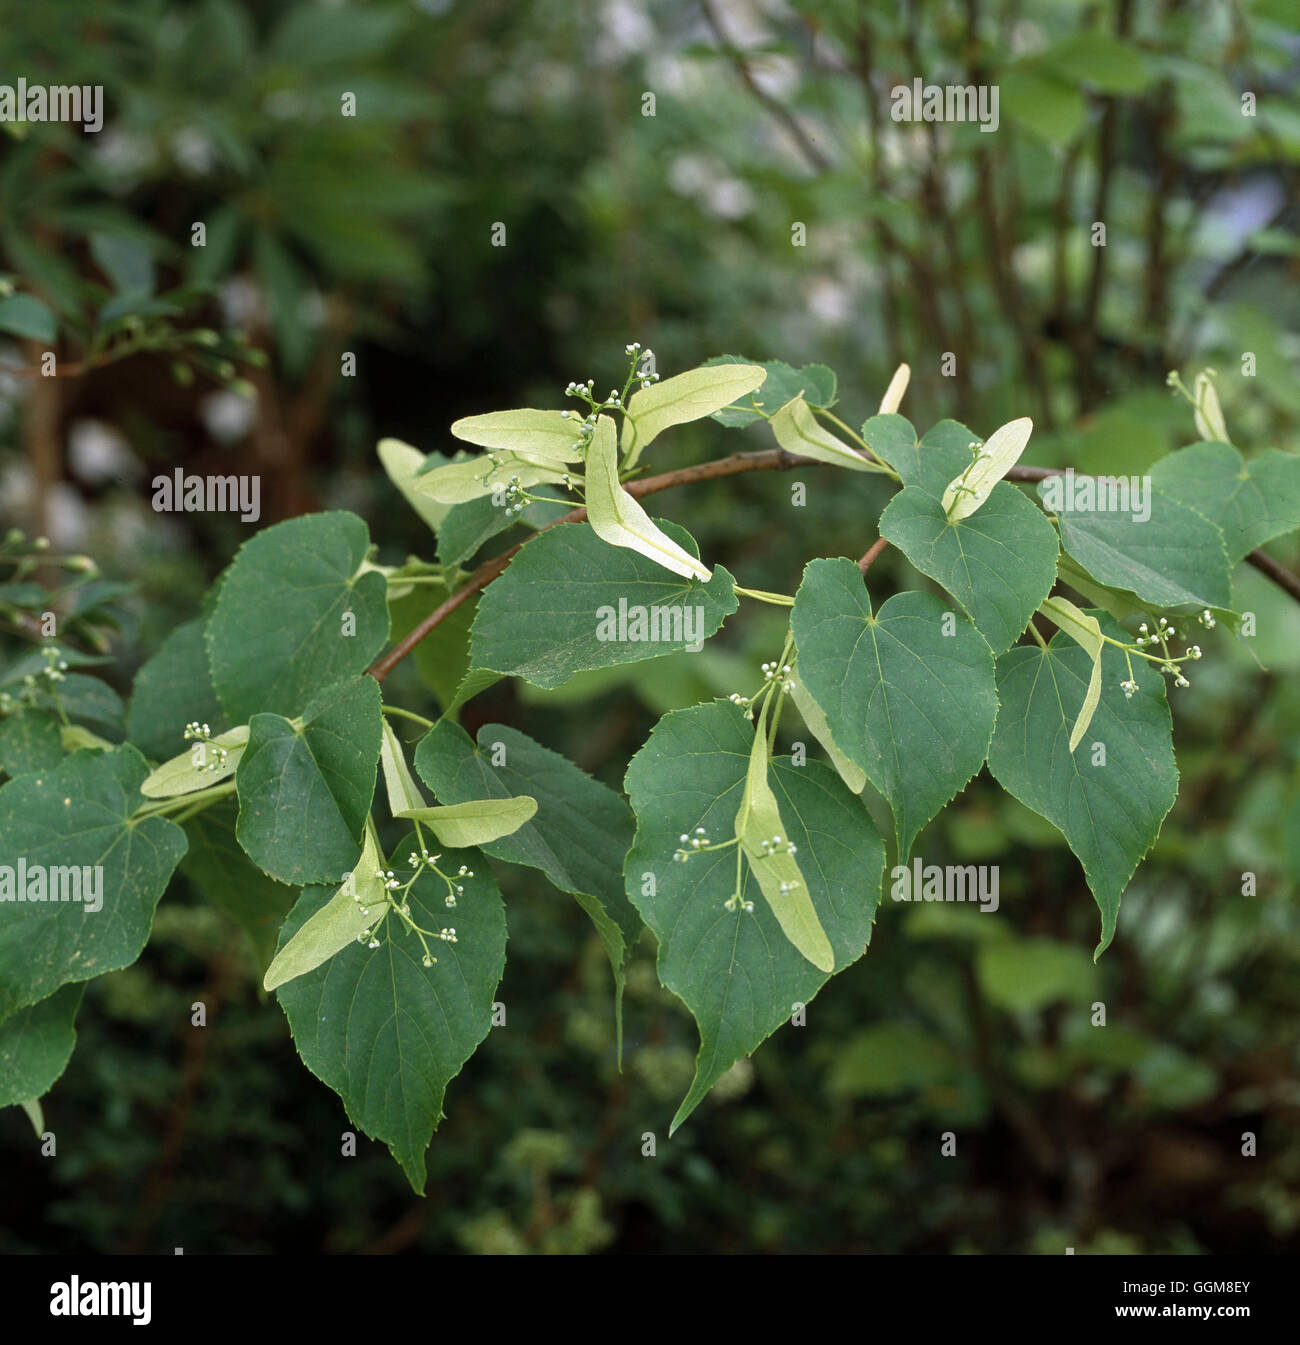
{"points": [[907, 693], [549, 436], [387, 1033], [685, 397], [305, 792], [799, 432], [1002, 449], [201, 766], [556, 610], [295, 615], [477, 821], [1085, 631], [358, 905], [999, 563], [764, 839], [79, 817], [735, 970], [1109, 807]]}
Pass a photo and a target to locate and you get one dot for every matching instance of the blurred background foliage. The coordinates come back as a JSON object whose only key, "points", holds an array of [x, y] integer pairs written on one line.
{"points": [[373, 235]]}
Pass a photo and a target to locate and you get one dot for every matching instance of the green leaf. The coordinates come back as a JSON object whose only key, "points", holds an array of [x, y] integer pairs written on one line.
{"points": [[568, 603], [388, 1034], [1109, 814], [578, 837], [26, 316], [359, 904], [549, 436], [853, 776], [912, 706], [999, 563], [29, 741], [467, 526], [403, 465], [930, 462], [278, 633], [1097, 58], [1252, 500], [815, 383], [36, 1044], [1044, 105], [199, 767], [686, 397], [764, 839], [223, 874], [125, 261], [1176, 558], [174, 688], [1085, 631], [442, 657], [80, 815], [620, 520], [1025, 975], [305, 792], [737, 973], [999, 454], [797, 431]]}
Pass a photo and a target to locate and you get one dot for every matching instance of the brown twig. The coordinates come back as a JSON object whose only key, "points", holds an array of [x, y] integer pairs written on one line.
{"points": [[872, 552], [765, 460]]}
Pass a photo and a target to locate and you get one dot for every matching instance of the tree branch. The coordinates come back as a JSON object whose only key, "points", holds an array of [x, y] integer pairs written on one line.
{"points": [[765, 460]]}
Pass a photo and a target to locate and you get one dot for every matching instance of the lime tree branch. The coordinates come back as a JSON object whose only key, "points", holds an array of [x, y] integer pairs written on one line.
{"points": [[765, 460]]}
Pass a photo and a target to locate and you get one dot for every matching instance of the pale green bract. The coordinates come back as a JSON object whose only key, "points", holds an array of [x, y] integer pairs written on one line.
{"points": [[358, 905], [797, 431], [549, 436], [685, 397], [1085, 631], [618, 519], [460, 482], [477, 822], [1000, 453], [763, 838], [198, 768], [853, 776], [403, 465]]}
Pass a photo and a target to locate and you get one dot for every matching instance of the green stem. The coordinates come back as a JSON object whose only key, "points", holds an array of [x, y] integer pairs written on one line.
{"points": [[406, 714], [762, 595], [187, 803]]}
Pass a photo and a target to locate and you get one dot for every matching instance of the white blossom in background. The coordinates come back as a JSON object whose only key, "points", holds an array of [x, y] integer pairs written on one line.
{"points": [[227, 416], [194, 151], [98, 453]]}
